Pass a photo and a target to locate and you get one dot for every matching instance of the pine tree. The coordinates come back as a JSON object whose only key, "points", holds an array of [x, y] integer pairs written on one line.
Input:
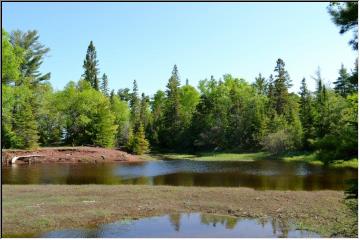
{"points": [[343, 85], [104, 85], [345, 15], [91, 67], [33, 56]]}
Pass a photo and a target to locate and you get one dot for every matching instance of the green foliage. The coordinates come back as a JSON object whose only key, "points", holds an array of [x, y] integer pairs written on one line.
{"points": [[88, 115], [306, 114], [90, 66], [135, 107], [24, 122], [122, 119], [138, 143], [340, 141], [345, 15], [104, 85], [11, 60], [228, 113], [343, 85], [172, 129], [278, 142], [33, 53], [281, 84], [260, 85]]}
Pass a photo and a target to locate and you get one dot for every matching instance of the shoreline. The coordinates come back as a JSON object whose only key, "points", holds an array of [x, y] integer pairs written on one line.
{"points": [[30, 209], [67, 155], [308, 158]]}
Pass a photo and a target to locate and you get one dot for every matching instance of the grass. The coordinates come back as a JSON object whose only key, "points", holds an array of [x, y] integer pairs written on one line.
{"points": [[231, 156], [31, 209], [209, 156]]}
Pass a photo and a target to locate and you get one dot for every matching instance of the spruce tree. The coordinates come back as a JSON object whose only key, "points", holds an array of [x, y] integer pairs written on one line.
{"points": [[135, 107], [321, 102], [141, 144], [144, 108], [281, 84], [260, 85], [172, 110], [24, 122], [137, 142], [104, 85], [343, 85], [306, 113], [90, 66]]}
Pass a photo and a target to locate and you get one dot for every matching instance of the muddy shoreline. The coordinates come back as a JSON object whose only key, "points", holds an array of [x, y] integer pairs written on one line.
{"points": [[67, 155], [29, 209]]}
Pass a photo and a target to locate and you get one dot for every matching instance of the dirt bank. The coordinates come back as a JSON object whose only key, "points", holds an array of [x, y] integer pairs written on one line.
{"points": [[68, 155], [29, 209]]}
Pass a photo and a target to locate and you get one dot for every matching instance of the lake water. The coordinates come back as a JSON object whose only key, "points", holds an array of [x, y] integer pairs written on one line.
{"points": [[185, 225], [270, 174]]}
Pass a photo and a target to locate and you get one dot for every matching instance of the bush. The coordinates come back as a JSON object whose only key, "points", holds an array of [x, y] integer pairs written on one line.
{"points": [[278, 142]]}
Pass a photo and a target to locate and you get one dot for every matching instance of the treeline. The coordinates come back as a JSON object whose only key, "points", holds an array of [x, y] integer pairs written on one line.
{"points": [[227, 113], [220, 114]]}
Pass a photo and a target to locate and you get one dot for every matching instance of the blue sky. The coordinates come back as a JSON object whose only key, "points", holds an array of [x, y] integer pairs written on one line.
{"points": [[143, 41]]}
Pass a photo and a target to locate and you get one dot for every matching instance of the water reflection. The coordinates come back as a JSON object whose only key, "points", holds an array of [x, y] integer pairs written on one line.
{"points": [[187, 225], [258, 175]]}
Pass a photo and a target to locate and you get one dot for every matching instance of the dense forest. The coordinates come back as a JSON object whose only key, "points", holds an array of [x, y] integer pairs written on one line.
{"points": [[228, 113]]}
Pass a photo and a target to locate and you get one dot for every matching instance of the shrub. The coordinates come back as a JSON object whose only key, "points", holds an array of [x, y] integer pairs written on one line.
{"points": [[278, 142]]}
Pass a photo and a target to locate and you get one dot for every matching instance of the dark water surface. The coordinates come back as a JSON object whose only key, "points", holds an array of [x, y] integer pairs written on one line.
{"points": [[185, 225], [264, 174]]}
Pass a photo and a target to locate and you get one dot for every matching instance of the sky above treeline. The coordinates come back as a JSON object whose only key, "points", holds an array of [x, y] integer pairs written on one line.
{"points": [[143, 41]]}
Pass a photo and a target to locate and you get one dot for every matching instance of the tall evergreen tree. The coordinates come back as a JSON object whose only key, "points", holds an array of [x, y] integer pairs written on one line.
{"points": [[306, 113], [135, 107], [281, 84], [144, 110], [343, 85], [172, 110], [260, 84], [33, 56], [104, 85], [124, 94], [24, 122], [321, 106], [90, 66]]}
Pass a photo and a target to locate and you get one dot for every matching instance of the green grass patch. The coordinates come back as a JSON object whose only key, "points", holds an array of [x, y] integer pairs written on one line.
{"points": [[208, 156], [307, 157], [353, 163]]}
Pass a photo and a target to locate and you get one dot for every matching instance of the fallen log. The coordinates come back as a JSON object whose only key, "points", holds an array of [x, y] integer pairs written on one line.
{"points": [[15, 158]]}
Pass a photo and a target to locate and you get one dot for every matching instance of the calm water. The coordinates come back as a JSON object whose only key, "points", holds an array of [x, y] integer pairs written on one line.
{"points": [[258, 174], [185, 225]]}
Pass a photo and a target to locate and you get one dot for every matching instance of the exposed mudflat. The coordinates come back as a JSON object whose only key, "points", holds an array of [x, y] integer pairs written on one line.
{"points": [[68, 155], [30, 209]]}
